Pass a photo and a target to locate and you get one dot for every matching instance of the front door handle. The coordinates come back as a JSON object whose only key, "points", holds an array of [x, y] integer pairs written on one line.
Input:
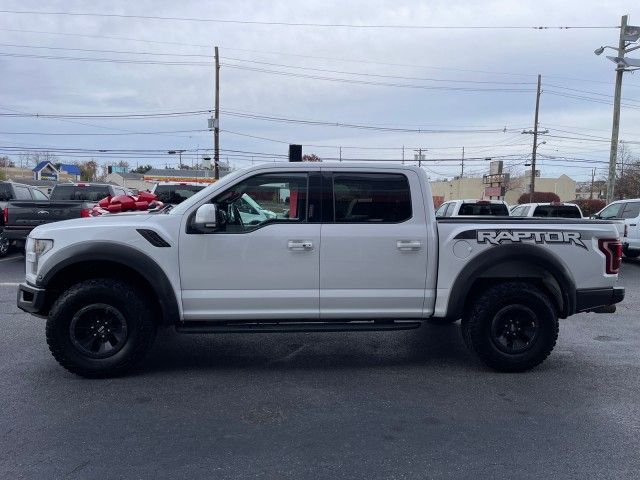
{"points": [[407, 245], [300, 245]]}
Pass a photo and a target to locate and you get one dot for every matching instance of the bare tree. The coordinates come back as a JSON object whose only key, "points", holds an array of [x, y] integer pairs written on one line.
{"points": [[33, 158]]}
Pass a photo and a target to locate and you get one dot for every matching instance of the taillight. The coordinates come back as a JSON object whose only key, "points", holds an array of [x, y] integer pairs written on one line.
{"points": [[5, 215], [612, 249], [85, 213]]}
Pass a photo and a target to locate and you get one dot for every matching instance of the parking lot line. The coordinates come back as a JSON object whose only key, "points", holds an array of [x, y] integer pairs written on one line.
{"points": [[11, 258]]}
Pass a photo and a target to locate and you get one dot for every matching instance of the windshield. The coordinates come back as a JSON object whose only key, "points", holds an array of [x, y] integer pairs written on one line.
{"points": [[202, 194], [5, 192], [88, 193], [492, 209], [175, 194]]}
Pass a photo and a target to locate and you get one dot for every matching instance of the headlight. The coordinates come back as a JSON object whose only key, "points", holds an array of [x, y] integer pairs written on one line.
{"points": [[34, 250]]}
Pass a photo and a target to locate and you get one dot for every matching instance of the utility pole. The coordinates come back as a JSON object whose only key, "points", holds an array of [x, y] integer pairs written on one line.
{"points": [[535, 142], [462, 169], [340, 153], [403, 154], [216, 121], [419, 150], [593, 178], [615, 129]]}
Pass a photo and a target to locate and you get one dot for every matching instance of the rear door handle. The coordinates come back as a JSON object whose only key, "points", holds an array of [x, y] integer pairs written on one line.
{"points": [[406, 245], [300, 245]]}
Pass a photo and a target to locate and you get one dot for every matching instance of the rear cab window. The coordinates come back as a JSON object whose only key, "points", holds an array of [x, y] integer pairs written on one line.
{"points": [[557, 211], [371, 198], [87, 193], [175, 194], [483, 209], [6, 194]]}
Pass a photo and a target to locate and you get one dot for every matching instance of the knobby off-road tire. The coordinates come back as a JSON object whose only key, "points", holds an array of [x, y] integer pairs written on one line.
{"points": [[4, 245], [512, 327], [100, 328]]}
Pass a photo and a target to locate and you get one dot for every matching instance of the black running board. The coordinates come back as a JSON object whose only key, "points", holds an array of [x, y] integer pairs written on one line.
{"points": [[291, 327]]}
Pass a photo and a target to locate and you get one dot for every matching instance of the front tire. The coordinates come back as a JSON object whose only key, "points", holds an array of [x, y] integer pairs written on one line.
{"points": [[512, 327], [100, 328], [631, 253]]}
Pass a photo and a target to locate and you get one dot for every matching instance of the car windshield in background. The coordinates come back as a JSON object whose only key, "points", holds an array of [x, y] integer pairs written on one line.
{"points": [[494, 209], [175, 194], [558, 211], [87, 193]]}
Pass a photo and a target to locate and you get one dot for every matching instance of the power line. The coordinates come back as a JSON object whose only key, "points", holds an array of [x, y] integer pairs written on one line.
{"points": [[310, 24]]}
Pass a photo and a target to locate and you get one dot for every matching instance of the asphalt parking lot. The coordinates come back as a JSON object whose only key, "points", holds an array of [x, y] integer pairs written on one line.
{"points": [[359, 405]]}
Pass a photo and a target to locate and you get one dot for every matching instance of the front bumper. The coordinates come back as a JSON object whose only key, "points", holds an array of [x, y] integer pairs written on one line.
{"points": [[31, 299], [17, 233], [589, 299]]}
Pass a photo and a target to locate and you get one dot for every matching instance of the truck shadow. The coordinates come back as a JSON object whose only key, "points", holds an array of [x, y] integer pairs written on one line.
{"points": [[429, 344]]}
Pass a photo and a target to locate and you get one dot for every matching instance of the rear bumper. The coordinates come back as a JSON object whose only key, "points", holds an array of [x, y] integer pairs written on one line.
{"points": [[588, 299], [31, 299]]}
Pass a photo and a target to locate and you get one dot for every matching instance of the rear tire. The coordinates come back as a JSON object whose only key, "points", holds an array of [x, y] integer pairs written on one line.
{"points": [[100, 328], [512, 327], [631, 253], [4, 245]]}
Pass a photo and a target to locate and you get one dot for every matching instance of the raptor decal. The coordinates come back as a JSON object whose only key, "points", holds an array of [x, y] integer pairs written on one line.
{"points": [[498, 237]]}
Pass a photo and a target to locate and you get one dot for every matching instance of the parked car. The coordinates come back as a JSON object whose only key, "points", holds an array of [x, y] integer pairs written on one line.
{"points": [[627, 212], [553, 209], [68, 200], [463, 208], [352, 247], [14, 191]]}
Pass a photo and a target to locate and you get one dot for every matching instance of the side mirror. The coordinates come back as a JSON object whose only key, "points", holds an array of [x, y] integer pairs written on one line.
{"points": [[206, 217]]}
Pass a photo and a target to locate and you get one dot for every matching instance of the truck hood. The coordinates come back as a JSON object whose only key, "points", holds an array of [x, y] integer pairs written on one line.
{"points": [[118, 220]]}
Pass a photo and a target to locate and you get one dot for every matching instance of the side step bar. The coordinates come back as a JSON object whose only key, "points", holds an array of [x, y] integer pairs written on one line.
{"points": [[291, 327]]}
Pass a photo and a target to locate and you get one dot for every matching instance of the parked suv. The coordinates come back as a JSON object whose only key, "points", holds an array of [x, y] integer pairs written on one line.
{"points": [[627, 211], [463, 208], [10, 191], [553, 209]]}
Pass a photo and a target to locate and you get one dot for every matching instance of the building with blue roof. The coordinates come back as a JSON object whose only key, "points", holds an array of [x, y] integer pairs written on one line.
{"points": [[47, 171]]}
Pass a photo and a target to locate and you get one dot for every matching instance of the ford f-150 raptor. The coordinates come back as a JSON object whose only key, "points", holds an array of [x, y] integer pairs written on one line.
{"points": [[349, 247]]}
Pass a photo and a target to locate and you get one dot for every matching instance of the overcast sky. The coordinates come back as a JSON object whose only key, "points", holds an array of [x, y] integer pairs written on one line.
{"points": [[484, 79]]}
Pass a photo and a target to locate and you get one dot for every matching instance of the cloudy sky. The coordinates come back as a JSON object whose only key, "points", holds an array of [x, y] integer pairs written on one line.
{"points": [[370, 91]]}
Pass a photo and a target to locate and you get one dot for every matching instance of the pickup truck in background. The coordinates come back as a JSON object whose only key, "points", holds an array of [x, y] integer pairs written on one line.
{"points": [[67, 201], [464, 208], [14, 191], [349, 247], [626, 213]]}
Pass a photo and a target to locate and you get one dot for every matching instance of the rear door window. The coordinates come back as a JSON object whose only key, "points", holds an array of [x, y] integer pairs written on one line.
{"points": [[631, 210], [484, 209], [371, 198]]}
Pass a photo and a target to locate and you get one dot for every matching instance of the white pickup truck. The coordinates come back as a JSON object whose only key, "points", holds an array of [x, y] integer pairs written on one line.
{"points": [[350, 247]]}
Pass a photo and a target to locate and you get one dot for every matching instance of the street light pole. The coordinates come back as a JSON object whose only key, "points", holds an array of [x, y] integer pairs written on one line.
{"points": [[615, 129]]}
